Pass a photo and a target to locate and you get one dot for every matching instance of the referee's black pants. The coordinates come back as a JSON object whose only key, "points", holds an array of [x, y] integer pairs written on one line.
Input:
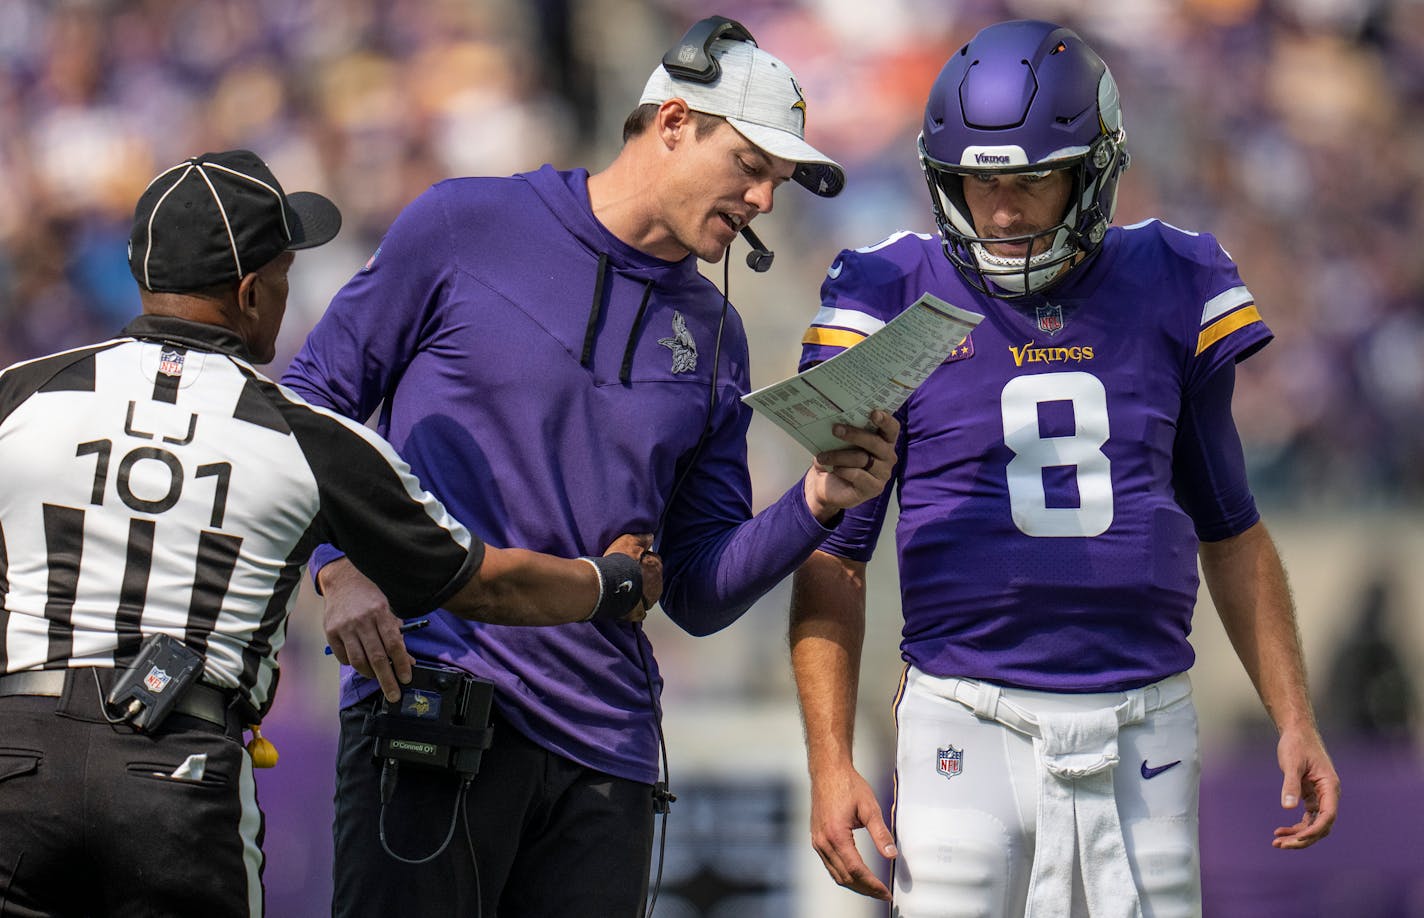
{"points": [[93, 823], [552, 839]]}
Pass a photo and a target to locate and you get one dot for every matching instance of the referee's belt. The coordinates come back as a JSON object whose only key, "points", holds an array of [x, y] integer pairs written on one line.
{"points": [[203, 701]]}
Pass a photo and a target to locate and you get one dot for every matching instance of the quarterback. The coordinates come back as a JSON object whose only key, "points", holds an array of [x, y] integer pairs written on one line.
{"points": [[1060, 474]]}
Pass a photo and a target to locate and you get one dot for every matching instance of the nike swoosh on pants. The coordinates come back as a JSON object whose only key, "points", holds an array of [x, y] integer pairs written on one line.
{"points": [[1149, 773]]}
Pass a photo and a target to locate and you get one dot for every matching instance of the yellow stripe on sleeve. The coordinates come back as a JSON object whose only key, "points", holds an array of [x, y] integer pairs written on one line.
{"points": [[1225, 326], [832, 337]]}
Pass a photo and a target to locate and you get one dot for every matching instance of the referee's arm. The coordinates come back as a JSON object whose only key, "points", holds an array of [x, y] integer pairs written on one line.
{"points": [[510, 586], [404, 540], [514, 586]]}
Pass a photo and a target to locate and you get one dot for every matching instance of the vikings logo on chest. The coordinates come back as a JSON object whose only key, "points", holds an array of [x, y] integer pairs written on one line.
{"points": [[682, 345]]}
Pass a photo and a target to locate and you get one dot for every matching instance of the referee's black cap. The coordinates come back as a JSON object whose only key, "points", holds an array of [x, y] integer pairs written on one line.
{"points": [[214, 218]]}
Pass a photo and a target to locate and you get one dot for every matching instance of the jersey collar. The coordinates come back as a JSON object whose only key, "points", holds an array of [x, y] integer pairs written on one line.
{"points": [[199, 335]]}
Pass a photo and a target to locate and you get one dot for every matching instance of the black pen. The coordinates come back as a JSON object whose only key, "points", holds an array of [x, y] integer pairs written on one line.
{"points": [[404, 629]]}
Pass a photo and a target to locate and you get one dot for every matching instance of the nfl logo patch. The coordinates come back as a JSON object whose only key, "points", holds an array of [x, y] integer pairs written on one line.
{"points": [[1050, 319], [157, 680], [949, 761], [170, 363]]}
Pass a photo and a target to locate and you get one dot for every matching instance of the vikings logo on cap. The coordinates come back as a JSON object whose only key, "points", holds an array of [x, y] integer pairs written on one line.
{"points": [[759, 96], [800, 103]]}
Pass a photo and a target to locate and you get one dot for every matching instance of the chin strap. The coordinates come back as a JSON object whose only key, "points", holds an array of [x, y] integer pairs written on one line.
{"points": [[1014, 275]]}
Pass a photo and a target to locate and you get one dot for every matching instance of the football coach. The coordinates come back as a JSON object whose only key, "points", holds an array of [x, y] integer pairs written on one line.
{"points": [[158, 501]]}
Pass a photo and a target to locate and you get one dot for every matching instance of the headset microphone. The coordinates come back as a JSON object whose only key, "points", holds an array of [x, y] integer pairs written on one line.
{"points": [[760, 257]]}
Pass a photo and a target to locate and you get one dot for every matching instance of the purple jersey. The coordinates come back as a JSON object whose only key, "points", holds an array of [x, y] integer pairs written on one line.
{"points": [[551, 384], [1041, 540]]}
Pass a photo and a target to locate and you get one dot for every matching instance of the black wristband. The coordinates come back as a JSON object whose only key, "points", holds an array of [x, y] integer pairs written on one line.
{"points": [[620, 586]]}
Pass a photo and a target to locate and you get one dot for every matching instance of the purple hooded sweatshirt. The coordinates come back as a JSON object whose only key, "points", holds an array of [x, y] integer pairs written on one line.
{"points": [[550, 384]]}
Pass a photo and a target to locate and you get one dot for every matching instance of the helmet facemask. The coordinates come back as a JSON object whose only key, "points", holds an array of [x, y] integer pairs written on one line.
{"points": [[1023, 97], [1079, 231]]}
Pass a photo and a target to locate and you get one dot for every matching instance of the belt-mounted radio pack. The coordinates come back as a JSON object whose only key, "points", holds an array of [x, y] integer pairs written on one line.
{"points": [[153, 684], [441, 720]]}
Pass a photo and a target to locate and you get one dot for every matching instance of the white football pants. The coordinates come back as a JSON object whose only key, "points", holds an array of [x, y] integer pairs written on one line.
{"points": [[969, 791]]}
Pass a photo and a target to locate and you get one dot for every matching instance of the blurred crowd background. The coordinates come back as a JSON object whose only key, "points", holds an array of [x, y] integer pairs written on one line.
{"points": [[1292, 129]]}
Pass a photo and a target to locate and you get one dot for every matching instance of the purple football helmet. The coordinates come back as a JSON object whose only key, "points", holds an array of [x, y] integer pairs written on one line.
{"points": [[1023, 96]]}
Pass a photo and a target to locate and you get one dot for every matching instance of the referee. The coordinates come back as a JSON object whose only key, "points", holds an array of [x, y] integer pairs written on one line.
{"points": [[161, 495]]}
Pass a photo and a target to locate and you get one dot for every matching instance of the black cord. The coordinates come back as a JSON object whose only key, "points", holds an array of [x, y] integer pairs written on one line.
{"points": [[711, 398], [129, 713], [663, 798], [390, 773], [470, 847], [390, 777]]}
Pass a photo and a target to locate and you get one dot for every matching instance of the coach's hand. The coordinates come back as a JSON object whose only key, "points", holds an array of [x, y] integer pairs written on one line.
{"points": [[640, 548], [361, 629], [842, 478]]}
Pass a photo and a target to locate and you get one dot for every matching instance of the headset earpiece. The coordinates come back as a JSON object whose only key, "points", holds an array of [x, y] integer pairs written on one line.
{"points": [[691, 58]]}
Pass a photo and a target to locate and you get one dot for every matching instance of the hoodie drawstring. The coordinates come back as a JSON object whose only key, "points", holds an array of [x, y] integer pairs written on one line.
{"points": [[625, 373], [594, 310]]}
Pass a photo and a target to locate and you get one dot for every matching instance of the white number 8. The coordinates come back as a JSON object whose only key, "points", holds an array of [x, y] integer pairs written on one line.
{"points": [[1082, 450]]}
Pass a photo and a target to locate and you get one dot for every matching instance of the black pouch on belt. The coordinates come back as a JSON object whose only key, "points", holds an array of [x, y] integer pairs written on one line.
{"points": [[146, 692], [441, 721]]}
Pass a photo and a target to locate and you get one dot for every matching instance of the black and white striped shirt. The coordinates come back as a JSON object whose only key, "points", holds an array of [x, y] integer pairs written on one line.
{"points": [[157, 482]]}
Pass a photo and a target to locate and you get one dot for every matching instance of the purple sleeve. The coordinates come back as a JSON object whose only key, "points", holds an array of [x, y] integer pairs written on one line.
{"points": [[1230, 328], [859, 532], [855, 538], [862, 291], [718, 558], [722, 577], [717, 566], [1209, 467], [323, 555], [375, 323]]}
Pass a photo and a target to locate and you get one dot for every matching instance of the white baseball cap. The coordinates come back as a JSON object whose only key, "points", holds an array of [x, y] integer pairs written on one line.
{"points": [[759, 96]]}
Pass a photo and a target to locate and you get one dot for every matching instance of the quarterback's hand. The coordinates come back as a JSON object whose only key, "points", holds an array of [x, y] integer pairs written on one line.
{"points": [[640, 548], [842, 478], [842, 801], [1310, 778], [361, 629]]}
